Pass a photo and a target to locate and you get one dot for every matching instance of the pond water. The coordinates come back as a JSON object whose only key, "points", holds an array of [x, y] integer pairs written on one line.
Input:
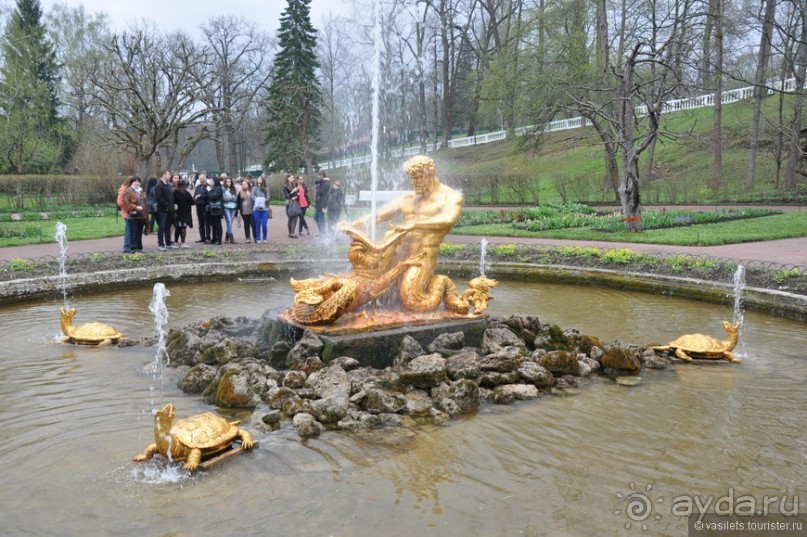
{"points": [[72, 417]]}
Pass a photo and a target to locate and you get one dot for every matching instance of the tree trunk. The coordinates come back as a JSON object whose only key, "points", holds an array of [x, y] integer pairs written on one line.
{"points": [[611, 169], [629, 193], [717, 139], [706, 68], [629, 186], [650, 153], [602, 35], [760, 90], [795, 156]]}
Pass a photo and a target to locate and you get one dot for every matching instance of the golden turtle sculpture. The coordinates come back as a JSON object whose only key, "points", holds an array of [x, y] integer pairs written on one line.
{"points": [[192, 438], [703, 346], [88, 333]]}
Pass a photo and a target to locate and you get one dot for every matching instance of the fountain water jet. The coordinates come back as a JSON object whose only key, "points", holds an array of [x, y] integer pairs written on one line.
{"points": [[376, 87], [160, 311], [61, 238], [739, 288], [483, 257]]}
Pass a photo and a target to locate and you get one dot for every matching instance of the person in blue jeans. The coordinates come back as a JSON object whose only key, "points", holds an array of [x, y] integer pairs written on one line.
{"points": [[133, 209], [260, 210], [229, 195]]}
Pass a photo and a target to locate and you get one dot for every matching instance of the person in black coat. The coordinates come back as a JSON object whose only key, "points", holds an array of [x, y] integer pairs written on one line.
{"points": [[164, 195], [336, 202], [151, 205], [183, 219], [200, 199], [323, 186], [215, 210]]}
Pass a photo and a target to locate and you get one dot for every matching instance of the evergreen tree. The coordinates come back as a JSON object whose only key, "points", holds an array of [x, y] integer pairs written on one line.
{"points": [[293, 101], [31, 135]]}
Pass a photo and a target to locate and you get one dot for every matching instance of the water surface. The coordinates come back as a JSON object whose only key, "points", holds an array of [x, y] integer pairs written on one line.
{"points": [[72, 417]]}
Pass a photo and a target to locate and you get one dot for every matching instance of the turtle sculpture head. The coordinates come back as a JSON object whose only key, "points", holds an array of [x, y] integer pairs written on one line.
{"points": [[88, 333], [192, 438]]}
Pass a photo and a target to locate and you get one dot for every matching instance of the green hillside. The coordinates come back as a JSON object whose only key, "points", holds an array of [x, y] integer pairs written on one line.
{"points": [[569, 165]]}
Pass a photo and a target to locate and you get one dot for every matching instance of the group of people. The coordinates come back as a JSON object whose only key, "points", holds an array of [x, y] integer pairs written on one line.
{"points": [[329, 201], [168, 202]]}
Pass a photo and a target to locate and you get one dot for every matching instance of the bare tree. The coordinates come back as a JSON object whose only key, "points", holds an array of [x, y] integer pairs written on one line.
{"points": [[148, 87], [611, 102], [240, 68], [336, 59]]}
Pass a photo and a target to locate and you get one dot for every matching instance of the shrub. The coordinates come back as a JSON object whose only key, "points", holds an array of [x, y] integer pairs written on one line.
{"points": [[579, 251], [21, 265], [621, 256], [451, 249], [782, 276], [504, 250]]}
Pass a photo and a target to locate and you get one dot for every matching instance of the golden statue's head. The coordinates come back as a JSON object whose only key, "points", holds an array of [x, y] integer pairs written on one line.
{"points": [[421, 172]]}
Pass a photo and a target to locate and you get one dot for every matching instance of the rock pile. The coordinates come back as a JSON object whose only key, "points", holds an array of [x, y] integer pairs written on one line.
{"points": [[232, 366]]}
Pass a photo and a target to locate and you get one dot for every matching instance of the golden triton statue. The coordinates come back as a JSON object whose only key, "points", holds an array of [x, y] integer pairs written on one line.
{"points": [[405, 259]]}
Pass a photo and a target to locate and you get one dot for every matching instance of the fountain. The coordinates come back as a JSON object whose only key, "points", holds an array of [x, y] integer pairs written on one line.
{"points": [[159, 310], [483, 255], [739, 287], [376, 123], [738, 317], [61, 238], [400, 269], [74, 451], [88, 333]]}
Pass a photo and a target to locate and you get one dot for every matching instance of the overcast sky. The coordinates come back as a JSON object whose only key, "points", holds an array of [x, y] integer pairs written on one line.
{"points": [[189, 15]]}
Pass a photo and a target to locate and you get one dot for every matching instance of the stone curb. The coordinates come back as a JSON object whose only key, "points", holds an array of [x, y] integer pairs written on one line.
{"points": [[775, 302], [771, 301]]}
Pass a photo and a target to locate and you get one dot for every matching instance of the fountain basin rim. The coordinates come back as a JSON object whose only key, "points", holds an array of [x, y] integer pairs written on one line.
{"points": [[775, 302]]}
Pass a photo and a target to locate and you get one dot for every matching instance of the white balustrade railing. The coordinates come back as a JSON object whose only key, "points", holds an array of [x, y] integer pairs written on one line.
{"points": [[677, 105]]}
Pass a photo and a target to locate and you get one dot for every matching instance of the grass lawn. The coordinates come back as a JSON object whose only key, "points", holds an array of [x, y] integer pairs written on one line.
{"points": [[44, 231], [781, 226]]}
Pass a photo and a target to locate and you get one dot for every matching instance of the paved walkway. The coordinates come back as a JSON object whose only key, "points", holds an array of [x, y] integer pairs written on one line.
{"points": [[784, 251]]}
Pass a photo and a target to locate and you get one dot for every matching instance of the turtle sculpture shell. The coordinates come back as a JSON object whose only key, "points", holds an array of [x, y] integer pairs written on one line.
{"points": [[704, 346], [700, 344], [88, 333], [193, 438], [205, 431]]}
